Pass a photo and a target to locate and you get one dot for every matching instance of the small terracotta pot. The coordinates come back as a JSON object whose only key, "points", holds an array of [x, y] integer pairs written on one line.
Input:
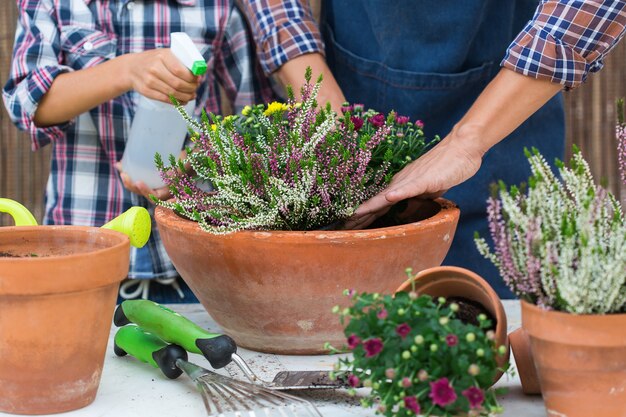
{"points": [[452, 281], [273, 291], [580, 361], [55, 314], [520, 345]]}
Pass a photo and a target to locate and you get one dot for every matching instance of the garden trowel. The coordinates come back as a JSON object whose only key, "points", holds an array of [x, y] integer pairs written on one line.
{"points": [[218, 349]]}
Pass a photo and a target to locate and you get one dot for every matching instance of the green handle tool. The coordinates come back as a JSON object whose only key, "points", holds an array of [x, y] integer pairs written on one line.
{"points": [[171, 327], [134, 222], [149, 349]]}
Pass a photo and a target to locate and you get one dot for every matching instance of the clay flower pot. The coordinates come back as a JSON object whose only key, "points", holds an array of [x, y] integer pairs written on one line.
{"points": [[580, 361], [452, 281], [273, 291], [520, 345], [58, 287]]}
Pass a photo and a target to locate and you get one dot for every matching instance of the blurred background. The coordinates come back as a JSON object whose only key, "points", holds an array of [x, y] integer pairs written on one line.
{"points": [[590, 115]]}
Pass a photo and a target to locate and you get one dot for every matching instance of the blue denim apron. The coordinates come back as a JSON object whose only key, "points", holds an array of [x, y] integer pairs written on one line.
{"points": [[430, 60]]}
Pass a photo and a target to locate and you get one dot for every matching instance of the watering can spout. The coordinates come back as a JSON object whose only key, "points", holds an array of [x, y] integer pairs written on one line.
{"points": [[134, 222]]}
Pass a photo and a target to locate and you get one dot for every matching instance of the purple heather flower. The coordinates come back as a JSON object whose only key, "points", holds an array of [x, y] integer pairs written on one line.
{"points": [[372, 347], [382, 314], [345, 109], [357, 122], [452, 340], [441, 392], [402, 120], [475, 396], [353, 341], [403, 330], [419, 124], [411, 404], [353, 380], [378, 120]]}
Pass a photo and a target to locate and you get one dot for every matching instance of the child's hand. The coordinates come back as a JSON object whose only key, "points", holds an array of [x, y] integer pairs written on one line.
{"points": [[158, 73], [139, 187]]}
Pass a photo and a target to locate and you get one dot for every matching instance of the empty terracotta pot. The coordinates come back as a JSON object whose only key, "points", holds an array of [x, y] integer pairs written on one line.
{"points": [[273, 291], [580, 361], [452, 281], [58, 288]]}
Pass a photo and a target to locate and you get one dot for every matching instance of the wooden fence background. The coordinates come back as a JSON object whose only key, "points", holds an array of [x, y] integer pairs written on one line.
{"points": [[590, 125]]}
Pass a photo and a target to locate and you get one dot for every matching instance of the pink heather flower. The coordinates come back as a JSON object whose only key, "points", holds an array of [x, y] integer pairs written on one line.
{"points": [[406, 382], [411, 404], [441, 392], [419, 124], [475, 396], [382, 314], [378, 120], [353, 341], [372, 347], [403, 330], [452, 340], [357, 122], [353, 380], [402, 120], [358, 107], [345, 109], [390, 373]]}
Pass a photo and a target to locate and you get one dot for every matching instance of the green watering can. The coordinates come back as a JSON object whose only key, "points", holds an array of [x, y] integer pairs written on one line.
{"points": [[134, 222]]}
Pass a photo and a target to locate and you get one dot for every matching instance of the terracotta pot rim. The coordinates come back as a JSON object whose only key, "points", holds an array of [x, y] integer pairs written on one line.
{"points": [[123, 240], [563, 315], [448, 210]]}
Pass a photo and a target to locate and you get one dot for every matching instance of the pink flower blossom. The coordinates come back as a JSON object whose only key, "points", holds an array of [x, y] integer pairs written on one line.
{"points": [[402, 120], [452, 340], [390, 373], [357, 122], [411, 404], [382, 314], [406, 382], [354, 381], [419, 124], [441, 392], [353, 341], [475, 396], [372, 347], [345, 109], [403, 330], [377, 120]]}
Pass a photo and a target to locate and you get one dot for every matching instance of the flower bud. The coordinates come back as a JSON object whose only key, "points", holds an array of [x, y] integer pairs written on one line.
{"points": [[434, 347], [367, 383], [419, 339], [413, 348], [381, 408], [473, 369], [413, 295], [502, 350], [336, 309], [422, 375], [482, 317], [480, 353], [375, 385], [406, 355], [406, 382], [470, 337], [346, 311], [454, 307], [441, 300], [375, 296], [390, 373], [491, 335], [401, 312], [443, 320]]}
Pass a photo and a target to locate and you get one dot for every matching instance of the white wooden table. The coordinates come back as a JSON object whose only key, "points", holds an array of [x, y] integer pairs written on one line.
{"points": [[132, 389]]}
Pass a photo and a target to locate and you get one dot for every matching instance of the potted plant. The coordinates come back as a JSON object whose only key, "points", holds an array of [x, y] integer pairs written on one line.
{"points": [[419, 357], [254, 229], [560, 245]]}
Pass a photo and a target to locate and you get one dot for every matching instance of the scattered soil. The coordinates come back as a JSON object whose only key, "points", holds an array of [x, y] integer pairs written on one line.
{"points": [[470, 310]]}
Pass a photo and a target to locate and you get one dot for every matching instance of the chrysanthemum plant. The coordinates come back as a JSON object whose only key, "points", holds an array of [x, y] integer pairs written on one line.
{"points": [[560, 244], [417, 357], [287, 166]]}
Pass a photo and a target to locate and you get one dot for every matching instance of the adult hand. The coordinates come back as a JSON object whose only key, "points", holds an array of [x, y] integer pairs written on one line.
{"points": [[157, 74], [139, 187], [449, 163]]}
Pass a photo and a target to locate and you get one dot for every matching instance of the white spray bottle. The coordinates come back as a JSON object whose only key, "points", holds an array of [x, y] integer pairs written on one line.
{"points": [[157, 126]]}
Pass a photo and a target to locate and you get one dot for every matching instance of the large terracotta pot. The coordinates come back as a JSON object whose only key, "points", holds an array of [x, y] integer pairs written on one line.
{"points": [[58, 288], [274, 291], [580, 361], [452, 281]]}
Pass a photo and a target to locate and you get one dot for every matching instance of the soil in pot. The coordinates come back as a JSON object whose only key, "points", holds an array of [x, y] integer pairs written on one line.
{"points": [[469, 311]]}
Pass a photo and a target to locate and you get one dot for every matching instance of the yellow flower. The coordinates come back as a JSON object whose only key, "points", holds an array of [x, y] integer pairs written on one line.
{"points": [[246, 110], [213, 127], [227, 118], [274, 107]]}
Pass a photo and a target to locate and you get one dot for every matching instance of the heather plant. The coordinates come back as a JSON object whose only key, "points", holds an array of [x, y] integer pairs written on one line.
{"points": [[281, 166], [620, 135], [562, 243], [417, 357]]}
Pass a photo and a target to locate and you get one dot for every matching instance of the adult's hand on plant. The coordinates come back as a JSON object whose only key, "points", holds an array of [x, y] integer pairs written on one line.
{"points": [[157, 74], [447, 164], [139, 187]]}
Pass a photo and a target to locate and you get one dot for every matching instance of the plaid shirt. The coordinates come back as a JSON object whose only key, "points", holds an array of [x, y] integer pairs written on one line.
{"points": [[565, 40], [58, 36]]}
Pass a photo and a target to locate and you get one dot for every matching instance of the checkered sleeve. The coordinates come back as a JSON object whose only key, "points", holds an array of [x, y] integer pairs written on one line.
{"points": [[36, 63], [237, 68], [567, 39], [282, 29]]}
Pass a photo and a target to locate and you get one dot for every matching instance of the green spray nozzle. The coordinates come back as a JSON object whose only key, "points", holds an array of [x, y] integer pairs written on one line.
{"points": [[134, 222]]}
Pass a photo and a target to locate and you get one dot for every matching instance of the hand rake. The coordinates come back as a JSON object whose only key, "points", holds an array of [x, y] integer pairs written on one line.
{"points": [[222, 396]]}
